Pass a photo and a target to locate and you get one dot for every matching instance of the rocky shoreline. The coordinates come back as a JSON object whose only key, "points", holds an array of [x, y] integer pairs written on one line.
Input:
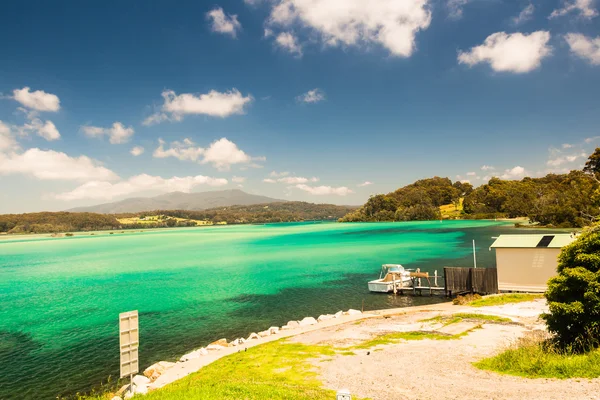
{"points": [[164, 372]]}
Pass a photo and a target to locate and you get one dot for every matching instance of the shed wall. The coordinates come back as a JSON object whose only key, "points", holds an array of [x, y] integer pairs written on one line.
{"points": [[526, 270]]}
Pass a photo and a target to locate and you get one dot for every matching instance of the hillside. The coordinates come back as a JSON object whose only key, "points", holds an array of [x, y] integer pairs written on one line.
{"points": [[179, 201]]}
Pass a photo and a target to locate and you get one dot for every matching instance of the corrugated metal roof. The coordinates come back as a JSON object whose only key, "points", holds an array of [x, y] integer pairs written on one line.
{"points": [[532, 241]]}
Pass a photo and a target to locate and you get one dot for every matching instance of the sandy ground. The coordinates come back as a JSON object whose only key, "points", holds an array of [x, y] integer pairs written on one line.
{"points": [[437, 369]]}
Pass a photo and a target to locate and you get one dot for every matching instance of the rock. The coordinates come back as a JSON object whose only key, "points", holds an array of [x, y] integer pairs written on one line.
{"points": [[203, 351], [240, 341], [291, 325], [308, 321], [352, 312], [338, 314], [220, 342], [264, 333], [232, 344], [140, 380], [116, 398], [214, 347], [193, 355], [325, 317], [157, 369], [128, 395], [274, 330], [253, 335]]}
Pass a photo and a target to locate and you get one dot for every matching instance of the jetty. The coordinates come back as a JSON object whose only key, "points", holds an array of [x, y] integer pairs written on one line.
{"points": [[456, 281]]}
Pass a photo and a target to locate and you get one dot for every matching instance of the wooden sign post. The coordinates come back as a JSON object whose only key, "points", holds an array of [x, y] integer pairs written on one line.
{"points": [[129, 341]]}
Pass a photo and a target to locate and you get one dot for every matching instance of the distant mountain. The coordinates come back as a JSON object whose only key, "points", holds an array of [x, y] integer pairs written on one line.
{"points": [[180, 201]]}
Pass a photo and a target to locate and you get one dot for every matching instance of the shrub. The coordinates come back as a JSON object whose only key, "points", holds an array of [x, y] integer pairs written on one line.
{"points": [[574, 295]]}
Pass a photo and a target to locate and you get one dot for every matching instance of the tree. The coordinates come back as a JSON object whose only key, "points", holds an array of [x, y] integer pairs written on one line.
{"points": [[592, 166], [574, 295]]}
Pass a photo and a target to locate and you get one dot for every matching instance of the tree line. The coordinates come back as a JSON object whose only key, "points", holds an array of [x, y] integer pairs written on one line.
{"points": [[54, 222], [557, 200]]}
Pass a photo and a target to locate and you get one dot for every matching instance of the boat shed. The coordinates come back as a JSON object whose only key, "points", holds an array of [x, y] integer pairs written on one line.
{"points": [[526, 262]]}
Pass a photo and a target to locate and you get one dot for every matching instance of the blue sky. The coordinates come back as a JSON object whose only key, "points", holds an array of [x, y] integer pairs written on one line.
{"points": [[314, 100]]}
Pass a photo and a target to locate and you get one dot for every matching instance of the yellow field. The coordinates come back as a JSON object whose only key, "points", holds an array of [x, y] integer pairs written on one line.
{"points": [[450, 211], [151, 219]]}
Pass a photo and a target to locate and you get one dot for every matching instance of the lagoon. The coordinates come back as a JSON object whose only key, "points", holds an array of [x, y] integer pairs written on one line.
{"points": [[60, 297]]}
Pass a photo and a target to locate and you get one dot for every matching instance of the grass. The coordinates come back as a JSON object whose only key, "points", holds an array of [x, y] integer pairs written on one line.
{"points": [[391, 338], [454, 318], [277, 370], [498, 300], [530, 358], [450, 211]]}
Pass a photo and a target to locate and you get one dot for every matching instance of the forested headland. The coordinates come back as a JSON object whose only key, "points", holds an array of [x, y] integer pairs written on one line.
{"points": [[555, 200], [56, 222]]}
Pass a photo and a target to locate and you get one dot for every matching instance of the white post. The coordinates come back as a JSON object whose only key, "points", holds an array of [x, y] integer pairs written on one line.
{"points": [[474, 255], [435, 278]]}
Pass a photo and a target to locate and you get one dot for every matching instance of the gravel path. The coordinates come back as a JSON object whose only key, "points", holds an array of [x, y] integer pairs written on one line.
{"points": [[434, 369]]}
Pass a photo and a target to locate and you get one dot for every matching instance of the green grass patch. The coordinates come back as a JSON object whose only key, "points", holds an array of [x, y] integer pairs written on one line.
{"points": [[391, 338], [276, 370], [347, 353], [459, 317], [498, 300], [534, 360]]}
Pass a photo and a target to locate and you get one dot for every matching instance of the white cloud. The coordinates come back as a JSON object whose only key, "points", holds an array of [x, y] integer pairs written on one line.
{"points": [[7, 140], [465, 181], [269, 180], [591, 139], [583, 7], [276, 174], [137, 151], [136, 184], [392, 24], [221, 23], [525, 15], [584, 47], [46, 129], [38, 100], [565, 159], [184, 151], [365, 183], [238, 179], [288, 42], [516, 52], [471, 174], [487, 168], [514, 173], [293, 180], [325, 190], [213, 103], [455, 8], [117, 133], [566, 146], [222, 153], [312, 96], [52, 165]]}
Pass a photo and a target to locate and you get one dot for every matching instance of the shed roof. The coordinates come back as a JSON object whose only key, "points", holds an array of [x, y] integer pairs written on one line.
{"points": [[554, 241]]}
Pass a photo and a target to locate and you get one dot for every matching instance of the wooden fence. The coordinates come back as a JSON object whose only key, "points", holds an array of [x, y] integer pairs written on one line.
{"points": [[473, 280]]}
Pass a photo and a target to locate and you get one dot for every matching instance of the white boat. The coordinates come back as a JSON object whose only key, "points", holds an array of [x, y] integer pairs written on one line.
{"points": [[391, 276]]}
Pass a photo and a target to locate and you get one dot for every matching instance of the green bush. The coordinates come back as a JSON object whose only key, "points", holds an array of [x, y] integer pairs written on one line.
{"points": [[574, 295]]}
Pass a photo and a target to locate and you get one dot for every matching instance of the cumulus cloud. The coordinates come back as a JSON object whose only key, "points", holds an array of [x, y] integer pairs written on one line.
{"points": [[222, 153], [269, 180], [525, 15], [487, 168], [292, 180], [7, 140], [391, 24], [222, 23], [37, 100], [455, 8], [136, 184], [584, 47], [365, 183], [471, 174], [117, 133], [213, 103], [514, 173], [565, 159], [45, 129], [238, 179], [276, 174], [137, 151], [516, 52], [52, 165], [288, 42], [312, 96], [325, 190], [584, 8], [566, 146]]}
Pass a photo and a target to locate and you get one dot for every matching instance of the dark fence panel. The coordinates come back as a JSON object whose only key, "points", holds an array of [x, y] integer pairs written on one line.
{"points": [[475, 280]]}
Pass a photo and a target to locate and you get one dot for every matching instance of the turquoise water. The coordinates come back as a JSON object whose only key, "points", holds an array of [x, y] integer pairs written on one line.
{"points": [[60, 297]]}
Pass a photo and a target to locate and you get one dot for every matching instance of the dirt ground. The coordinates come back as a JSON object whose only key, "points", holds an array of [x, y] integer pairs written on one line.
{"points": [[438, 369]]}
